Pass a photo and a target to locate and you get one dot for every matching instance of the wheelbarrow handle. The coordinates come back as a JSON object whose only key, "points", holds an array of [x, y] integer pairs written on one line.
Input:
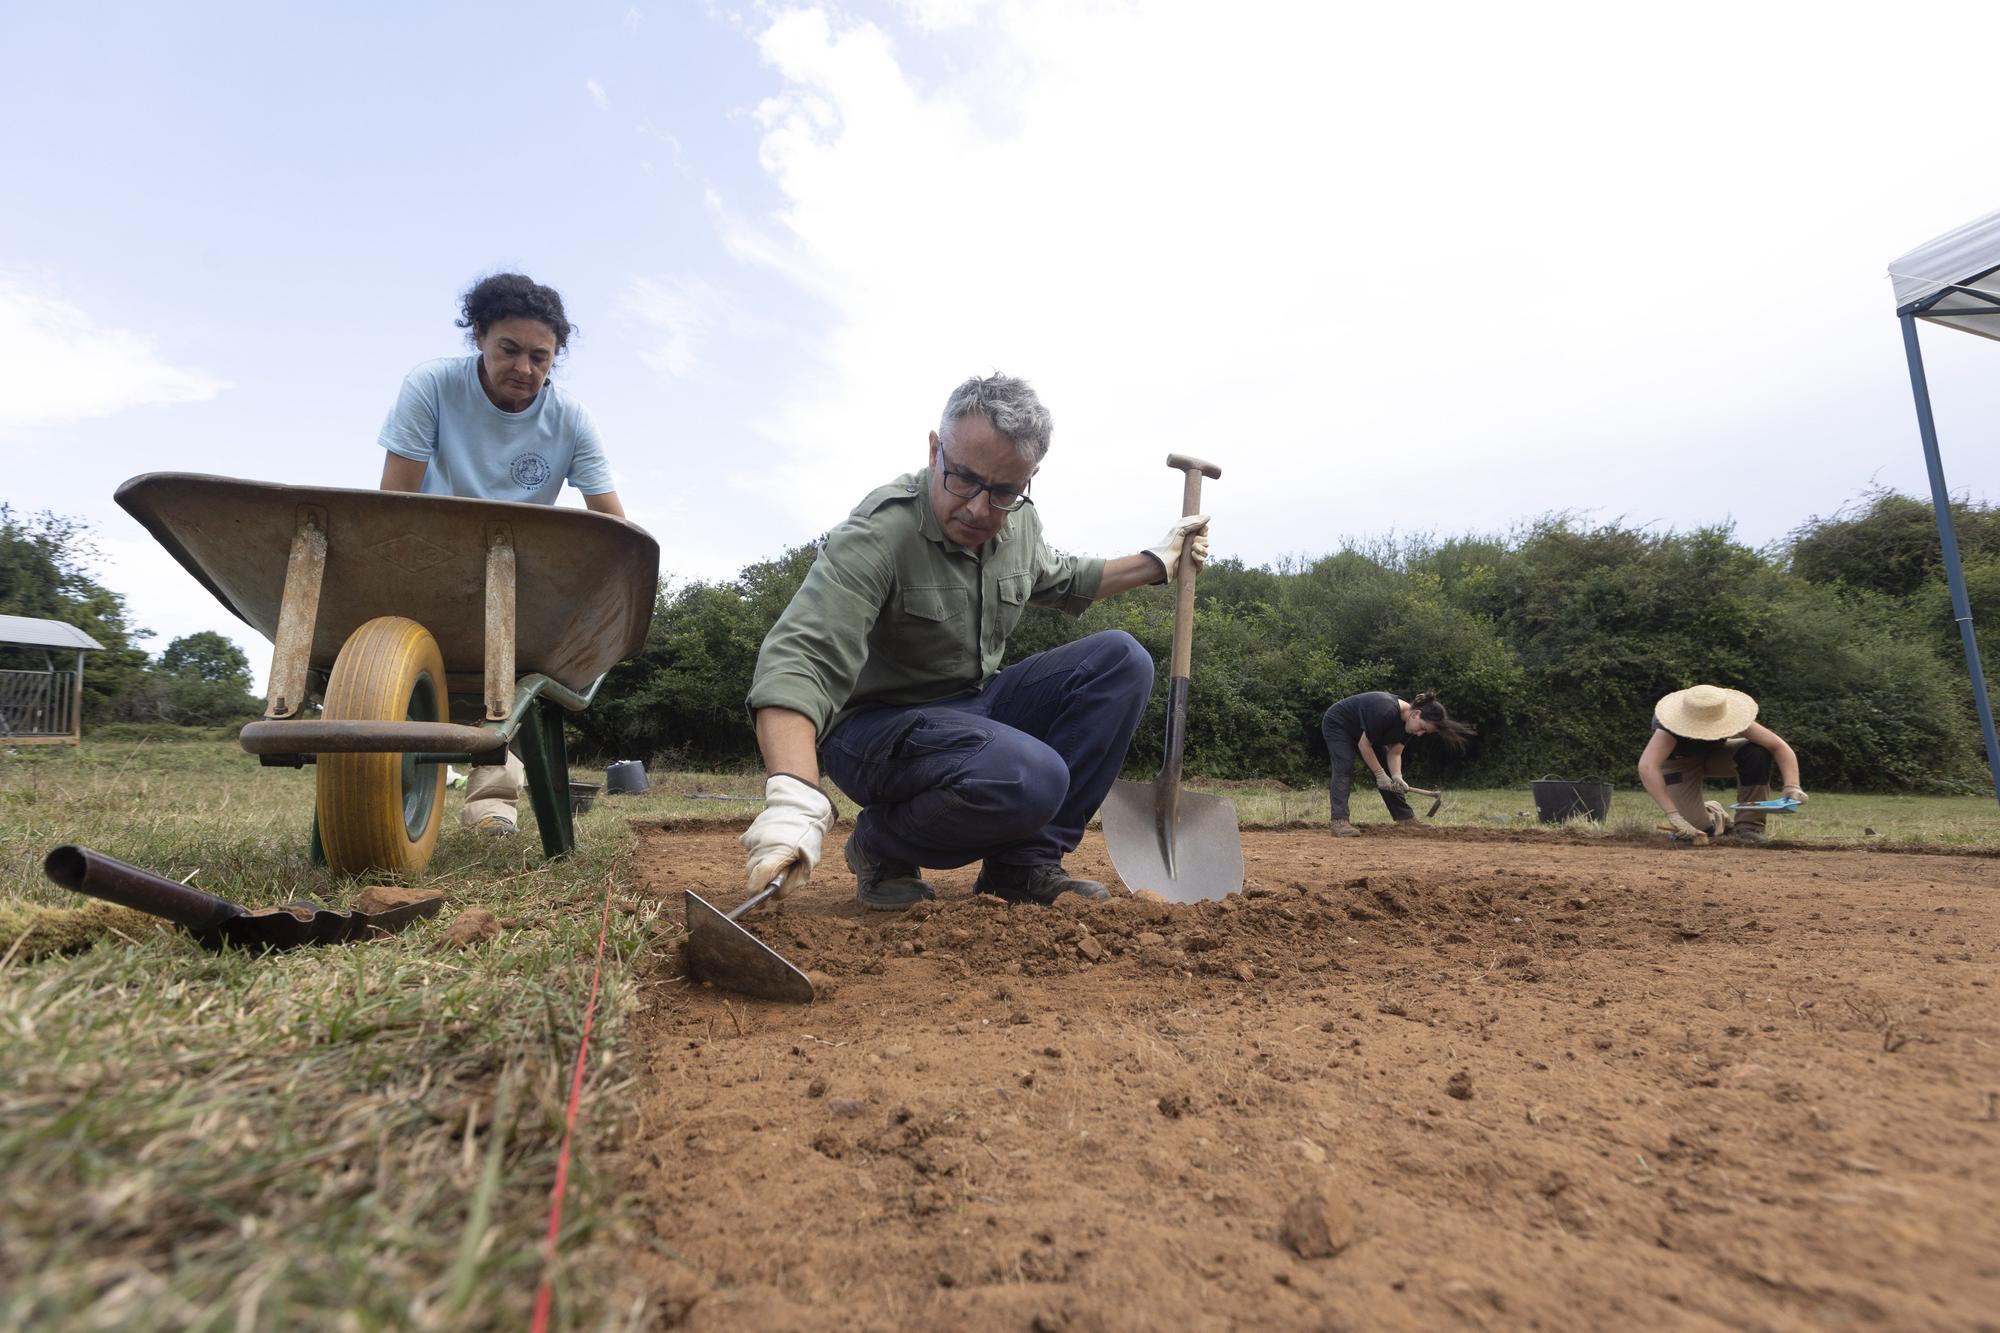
{"points": [[84, 871]]}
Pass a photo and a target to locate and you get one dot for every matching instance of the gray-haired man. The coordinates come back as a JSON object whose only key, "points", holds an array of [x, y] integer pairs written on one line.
{"points": [[886, 665]]}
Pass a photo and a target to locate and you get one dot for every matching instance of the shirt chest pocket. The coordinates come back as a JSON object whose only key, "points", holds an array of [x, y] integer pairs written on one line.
{"points": [[934, 626], [1014, 590]]}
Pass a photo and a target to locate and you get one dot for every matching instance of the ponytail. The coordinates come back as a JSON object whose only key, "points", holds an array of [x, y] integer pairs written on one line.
{"points": [[1455, 735]]}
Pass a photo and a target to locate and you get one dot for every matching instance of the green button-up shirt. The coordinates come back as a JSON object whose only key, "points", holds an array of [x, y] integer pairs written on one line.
{"points": [[893, 612]]}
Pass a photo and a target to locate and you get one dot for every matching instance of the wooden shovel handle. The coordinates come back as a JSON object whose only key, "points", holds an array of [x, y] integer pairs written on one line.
{"points": [[1193, 470]]}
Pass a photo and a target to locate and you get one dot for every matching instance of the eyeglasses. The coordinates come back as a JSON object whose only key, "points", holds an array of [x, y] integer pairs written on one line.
{"points": [[965, 486]]}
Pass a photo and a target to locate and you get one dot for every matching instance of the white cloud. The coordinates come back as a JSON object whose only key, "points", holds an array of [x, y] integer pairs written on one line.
{"points": [[63, 368], [1501, 260], [680, 316], [596, 91]]}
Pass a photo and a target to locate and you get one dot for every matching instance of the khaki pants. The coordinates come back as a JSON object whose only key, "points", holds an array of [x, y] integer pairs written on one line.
{"points": [[1751, 769], [493, 791]]}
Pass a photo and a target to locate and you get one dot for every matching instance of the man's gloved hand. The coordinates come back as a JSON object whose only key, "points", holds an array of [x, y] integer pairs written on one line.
{"points": [[1168, 552], [1390, 782], [1719, 818], [786, 837], [1794, 793], [1679, 823]]}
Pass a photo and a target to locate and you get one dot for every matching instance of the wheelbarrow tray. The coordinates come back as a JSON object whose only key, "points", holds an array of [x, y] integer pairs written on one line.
{"points": [[585, 582]]}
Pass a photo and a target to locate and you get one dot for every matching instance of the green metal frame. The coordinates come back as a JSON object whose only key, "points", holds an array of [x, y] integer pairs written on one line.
{"points": [[536, 720]]}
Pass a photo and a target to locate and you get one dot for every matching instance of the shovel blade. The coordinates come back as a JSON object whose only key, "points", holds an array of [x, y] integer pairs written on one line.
{"points": [[722, 952], [1193, 855]]}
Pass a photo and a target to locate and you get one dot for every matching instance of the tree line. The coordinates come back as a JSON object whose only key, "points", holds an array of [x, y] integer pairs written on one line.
{"points": [[1555, 639], [199, 680]]}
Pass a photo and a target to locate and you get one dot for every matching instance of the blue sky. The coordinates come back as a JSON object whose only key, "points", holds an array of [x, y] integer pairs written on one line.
{"points": [[1441, 268]]}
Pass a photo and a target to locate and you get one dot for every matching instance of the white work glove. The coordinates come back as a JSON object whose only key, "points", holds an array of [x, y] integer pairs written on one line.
{"points": [[1389, 782], [1168, 552], [786, 837], [1794, 793], [1679, 823], [1719, 818]]}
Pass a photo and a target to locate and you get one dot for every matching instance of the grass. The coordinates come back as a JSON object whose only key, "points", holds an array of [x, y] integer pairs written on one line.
{"points": [[366, 1136], [1829, 818], [362, 1136]]}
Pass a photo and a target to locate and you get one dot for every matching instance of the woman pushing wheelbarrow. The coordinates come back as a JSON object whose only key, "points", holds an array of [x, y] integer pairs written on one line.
{"points": [[433, 629]]}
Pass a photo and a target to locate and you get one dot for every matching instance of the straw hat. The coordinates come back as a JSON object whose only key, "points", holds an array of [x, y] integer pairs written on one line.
{"points": [[1706, 712]]}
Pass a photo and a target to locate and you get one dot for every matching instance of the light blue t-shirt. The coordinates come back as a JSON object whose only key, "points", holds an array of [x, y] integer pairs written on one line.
{"points": [[472, 449]]}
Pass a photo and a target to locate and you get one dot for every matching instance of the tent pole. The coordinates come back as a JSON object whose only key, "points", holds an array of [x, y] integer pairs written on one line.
{"points": [[1961, 606]]}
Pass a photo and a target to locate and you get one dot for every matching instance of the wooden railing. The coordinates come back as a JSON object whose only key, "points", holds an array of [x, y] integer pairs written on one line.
{"points": [[37, 705]]}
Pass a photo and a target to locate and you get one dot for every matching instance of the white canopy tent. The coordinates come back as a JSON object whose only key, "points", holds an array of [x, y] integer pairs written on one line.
{"points": [[1953, 280]]}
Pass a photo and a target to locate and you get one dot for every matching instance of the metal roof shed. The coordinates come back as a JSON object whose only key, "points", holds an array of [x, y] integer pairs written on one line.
{"points": [[1953, 280], [43, 707]]}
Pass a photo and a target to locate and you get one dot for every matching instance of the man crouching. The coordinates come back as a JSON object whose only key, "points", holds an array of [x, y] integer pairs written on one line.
{"points": [[885, 664]]}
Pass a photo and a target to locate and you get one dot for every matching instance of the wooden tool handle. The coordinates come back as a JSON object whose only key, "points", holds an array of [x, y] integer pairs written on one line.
{"points": [[1186, 462], [1193, 470]]}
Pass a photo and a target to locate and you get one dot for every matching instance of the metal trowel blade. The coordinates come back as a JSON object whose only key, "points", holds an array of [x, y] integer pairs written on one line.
{"points": [[722, 952]]}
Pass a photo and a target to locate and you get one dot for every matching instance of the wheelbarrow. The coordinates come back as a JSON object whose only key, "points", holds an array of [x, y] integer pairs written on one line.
{"points": [[432, 630]]}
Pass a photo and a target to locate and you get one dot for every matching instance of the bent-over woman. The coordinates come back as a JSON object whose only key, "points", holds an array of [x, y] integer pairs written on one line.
{"points": [[1707, 731], [1375, 726]]}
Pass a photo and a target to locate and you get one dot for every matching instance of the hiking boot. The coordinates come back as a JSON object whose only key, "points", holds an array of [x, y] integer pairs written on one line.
{"points": [[1343, 829], [1751, 833], [1040, 884], [885, 886], [498, 826], [1412, 825]]}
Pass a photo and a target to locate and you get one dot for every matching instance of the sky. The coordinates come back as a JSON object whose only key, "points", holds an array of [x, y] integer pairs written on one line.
{"points": [[1396, 269]]}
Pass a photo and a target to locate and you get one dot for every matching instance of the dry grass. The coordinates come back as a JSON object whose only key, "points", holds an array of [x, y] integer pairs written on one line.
{"points": [[361, 1136]]}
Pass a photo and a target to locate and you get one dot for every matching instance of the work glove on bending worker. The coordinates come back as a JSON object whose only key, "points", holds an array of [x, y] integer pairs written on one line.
{"points": [[1680, 825], [1168, 552], [1719, 818], [786, 838], [1390, 782], [1794, 793]]}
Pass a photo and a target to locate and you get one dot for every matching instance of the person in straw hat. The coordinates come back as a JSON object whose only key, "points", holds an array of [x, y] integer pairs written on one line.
{"points": [[1707, 731]]}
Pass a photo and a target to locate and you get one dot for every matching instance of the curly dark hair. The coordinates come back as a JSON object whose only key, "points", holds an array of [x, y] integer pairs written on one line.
{"points": [[513, 296], [1456, 735]]}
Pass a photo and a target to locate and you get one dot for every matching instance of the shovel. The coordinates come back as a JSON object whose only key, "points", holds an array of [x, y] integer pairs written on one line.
{"points": [[215, 921], [720, 951], [1184, 847]]}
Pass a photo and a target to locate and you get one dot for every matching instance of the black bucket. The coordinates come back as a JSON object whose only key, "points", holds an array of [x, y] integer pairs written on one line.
{"points": [[1557, 799], [581, 794], [627, 777]]}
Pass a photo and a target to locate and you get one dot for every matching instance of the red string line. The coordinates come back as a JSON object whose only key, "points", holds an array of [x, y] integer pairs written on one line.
{"points": [[545, 1294]]}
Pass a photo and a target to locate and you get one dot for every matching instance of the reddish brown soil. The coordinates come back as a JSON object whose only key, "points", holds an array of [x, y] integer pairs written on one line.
{"points": [[1527, 1082]]}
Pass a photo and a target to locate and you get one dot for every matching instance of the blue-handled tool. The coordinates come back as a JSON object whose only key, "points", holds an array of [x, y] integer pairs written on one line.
{"points": [[1783, 805]]}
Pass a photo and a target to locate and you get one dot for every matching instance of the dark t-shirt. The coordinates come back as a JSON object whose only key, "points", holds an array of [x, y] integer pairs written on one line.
{"points": [[1377, 714], [1688, 748]]}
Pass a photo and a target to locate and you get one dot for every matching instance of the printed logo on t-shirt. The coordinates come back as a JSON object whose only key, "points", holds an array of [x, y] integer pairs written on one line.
{"points": [[531, 472]]}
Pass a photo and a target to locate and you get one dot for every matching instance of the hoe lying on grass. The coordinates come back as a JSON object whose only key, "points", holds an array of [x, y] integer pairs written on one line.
{"points": [[215, 921]]}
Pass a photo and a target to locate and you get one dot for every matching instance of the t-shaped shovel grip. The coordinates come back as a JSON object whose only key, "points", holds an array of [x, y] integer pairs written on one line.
{"points": [[1193, 470]]}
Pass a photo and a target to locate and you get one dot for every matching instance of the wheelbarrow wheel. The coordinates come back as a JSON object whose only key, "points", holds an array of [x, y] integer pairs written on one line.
{"points": [[382, 811]]}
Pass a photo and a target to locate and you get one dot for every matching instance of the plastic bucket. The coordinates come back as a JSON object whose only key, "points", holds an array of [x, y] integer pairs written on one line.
{"points": [[581, 794], [627, 777], [1557, 799]]}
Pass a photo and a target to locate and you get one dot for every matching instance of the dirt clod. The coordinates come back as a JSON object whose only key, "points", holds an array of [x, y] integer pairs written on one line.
{"points": [[469, 928], [1319, 1224], [845, 1107], [1459, 1085], [382, 897]]}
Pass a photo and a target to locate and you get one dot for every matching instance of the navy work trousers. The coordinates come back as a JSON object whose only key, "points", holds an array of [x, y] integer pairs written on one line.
{"points": [[1010, 774]]}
